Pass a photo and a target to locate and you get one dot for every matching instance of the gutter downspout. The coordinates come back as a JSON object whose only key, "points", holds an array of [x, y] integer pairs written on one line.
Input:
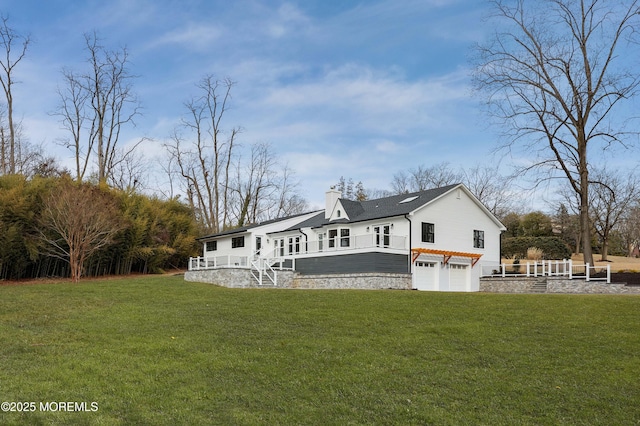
{"points": [[306, 240], [406, 216], [306, 247]]}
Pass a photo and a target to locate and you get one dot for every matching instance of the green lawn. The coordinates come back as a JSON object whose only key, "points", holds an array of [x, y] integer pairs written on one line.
{"points": [[157, 350]]}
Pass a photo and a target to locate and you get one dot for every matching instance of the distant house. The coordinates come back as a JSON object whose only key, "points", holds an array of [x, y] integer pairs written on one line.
{"points": [[429, 240]]}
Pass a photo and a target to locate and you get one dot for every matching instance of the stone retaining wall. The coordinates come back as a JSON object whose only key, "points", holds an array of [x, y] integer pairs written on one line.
{"points": [[554, 285], [366, 281], [242, 278], [236, 278]]}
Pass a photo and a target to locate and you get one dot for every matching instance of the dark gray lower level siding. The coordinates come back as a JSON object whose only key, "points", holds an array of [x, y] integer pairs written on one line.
{"points": [[354, 263]]}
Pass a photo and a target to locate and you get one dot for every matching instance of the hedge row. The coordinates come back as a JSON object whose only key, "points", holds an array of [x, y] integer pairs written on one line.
{"points": [[552, 247]]}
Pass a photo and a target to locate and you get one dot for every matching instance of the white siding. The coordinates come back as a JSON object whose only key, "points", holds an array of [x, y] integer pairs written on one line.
{"points": [[224, 242], [455, 216]]}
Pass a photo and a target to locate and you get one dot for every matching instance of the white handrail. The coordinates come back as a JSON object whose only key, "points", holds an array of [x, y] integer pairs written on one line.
{"points": [[557, 268]]}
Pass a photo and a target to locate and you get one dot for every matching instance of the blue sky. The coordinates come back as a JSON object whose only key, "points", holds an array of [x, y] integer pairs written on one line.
{"points": [[339, 88]]}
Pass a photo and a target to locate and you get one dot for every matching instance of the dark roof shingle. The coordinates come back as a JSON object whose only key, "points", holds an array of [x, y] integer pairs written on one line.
{"points": [[395, 205]]}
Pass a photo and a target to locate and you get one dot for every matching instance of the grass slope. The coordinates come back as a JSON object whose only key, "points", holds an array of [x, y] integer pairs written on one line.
{"points": [[157, 350]]}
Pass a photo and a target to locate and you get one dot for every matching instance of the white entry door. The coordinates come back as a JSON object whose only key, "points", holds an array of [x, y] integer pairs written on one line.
{"points": [[425, 276], [458, 277]]}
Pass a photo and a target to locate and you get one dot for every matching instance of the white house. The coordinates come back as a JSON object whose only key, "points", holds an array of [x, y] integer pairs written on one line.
{"points": [[438, 238]]}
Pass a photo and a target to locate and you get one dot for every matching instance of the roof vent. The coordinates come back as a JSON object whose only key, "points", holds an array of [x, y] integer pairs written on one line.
{"points": [[406, 200]]}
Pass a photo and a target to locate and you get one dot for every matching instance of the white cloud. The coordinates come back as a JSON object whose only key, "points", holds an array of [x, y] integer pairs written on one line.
{"points": [[387, 146], [289, 18], [194, 36], [358, 100]]}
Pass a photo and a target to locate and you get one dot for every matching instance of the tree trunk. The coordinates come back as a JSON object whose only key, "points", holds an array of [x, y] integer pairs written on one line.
{"points": [[605, 250], [585, 222], [75, 266], [12, 133]]}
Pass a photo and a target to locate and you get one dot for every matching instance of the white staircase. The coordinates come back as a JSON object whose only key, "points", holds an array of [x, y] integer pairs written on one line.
{"points": [[263, 273]]}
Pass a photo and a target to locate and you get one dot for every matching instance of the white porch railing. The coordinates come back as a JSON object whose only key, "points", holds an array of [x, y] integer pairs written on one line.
{"points": [[548, 268], [203, 263], [200, 263], [261, 269], [354, 242], [279, 255]]}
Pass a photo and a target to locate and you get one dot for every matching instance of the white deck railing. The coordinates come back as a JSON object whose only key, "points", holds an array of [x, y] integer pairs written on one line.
{"points": [[278, 255], [548, 268], [355, 242], [213, 262], [203, 263]]}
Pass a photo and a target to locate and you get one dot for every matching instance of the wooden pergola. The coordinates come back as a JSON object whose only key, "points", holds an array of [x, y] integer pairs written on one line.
{"points": [[447, 255]]}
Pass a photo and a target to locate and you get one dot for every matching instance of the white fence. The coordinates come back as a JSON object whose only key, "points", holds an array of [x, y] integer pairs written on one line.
{"points": [[338, 243], [202, 263], [549, 268]]}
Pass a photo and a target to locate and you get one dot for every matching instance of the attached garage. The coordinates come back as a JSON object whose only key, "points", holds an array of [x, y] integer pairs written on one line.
{"points": [[426, 276], [443, 270], [458, 277]]}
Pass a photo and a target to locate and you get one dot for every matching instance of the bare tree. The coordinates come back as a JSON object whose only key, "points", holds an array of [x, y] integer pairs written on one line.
{"points": [[263, 189], [491, 188], [10, 40], [77, 220], [254, 183], [286, 201], [629, 228], [401, 183], [612, 196], [130, 174], [555, 78], [224, 189], [95, 106], [73, 110], [203, 157], [423, 178]]}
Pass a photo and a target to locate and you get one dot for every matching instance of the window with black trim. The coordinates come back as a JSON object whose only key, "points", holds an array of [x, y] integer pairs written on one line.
{"points": [[294, 245], [211, 245], [478, 238], [237, 242], [428, 232], [344, 237]]}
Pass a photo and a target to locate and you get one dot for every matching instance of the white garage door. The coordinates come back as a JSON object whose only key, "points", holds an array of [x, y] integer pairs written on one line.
{"points": [[458, 277], [426, 276]]}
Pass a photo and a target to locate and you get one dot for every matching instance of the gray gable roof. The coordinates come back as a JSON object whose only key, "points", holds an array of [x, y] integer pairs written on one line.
{"points": [[246, 228], [352, 208], [380, 208]]}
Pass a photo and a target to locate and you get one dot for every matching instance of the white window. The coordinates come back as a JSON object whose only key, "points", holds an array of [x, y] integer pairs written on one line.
{"points": [[333, 236], [278, 247], [344, 237], [341, 234], [294, 245]]}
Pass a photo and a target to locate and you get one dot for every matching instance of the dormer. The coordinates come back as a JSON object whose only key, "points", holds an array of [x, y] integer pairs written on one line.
{"points": [[339, 212], [331, 201]]}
